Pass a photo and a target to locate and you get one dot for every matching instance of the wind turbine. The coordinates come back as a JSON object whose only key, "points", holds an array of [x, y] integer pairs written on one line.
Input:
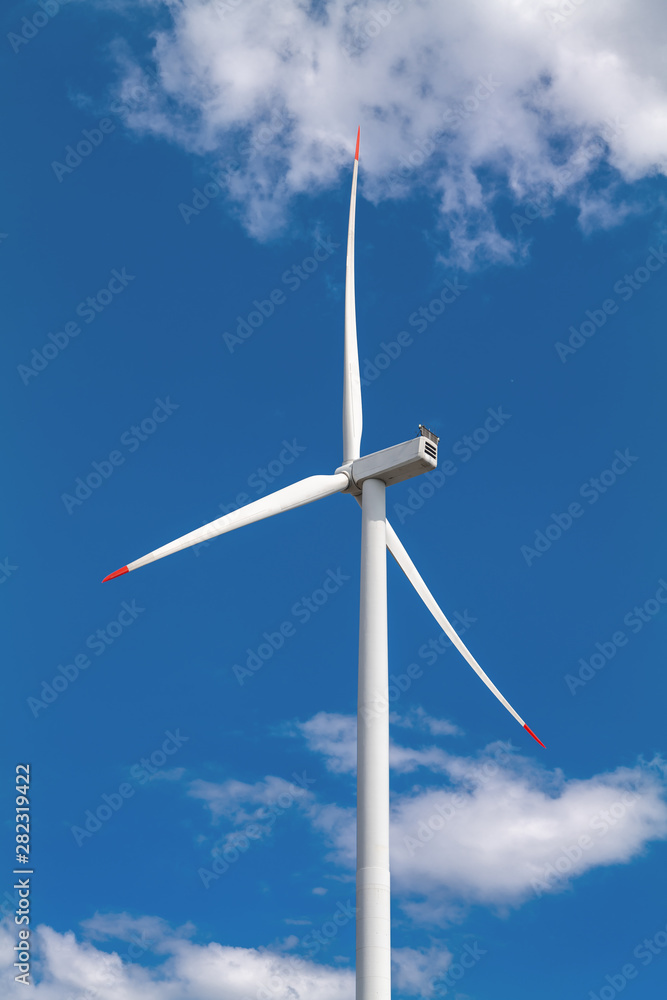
{"points": [[365, 478]]}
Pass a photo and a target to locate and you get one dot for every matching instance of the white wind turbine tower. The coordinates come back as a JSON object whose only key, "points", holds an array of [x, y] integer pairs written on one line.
{"points": [[366, 479]]}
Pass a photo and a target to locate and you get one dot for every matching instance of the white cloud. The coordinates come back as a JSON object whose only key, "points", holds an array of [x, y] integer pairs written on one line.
{"points": [[464, 100], [243, 803], [498, 829], [413, 970], [337, 824], [335, 737], [254, 807], [141, 933], [68, 967], [71, 967], [495, 829], [521, 832], [417, 718], [168, 774]]}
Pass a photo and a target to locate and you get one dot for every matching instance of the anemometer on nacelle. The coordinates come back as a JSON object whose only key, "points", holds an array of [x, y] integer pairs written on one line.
{"points": [[395, 464]]}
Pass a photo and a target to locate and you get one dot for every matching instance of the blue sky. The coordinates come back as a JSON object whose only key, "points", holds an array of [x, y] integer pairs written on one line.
{"points": [[511, 267]]}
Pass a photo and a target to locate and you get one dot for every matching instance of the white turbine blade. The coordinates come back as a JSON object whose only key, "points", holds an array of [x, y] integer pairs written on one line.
{"points": [[313, 488], [352, 412], [405, 562]]}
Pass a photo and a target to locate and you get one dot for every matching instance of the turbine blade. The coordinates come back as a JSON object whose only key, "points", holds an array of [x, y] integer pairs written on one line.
{"points": [[352, 412], [405, 562], [313, 488]]}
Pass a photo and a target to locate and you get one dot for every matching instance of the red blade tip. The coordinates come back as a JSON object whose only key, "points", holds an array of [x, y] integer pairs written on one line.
{"points": [[119, 572], [356, 152], [529, 730]]}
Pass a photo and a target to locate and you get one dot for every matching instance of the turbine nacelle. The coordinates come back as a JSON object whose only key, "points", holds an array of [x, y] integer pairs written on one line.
{"points": [[394, 464]]}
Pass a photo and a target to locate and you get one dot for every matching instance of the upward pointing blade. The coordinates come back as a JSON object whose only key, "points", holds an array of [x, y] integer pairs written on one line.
{"points": [[313, 488], [405, 562], [352, 412]]}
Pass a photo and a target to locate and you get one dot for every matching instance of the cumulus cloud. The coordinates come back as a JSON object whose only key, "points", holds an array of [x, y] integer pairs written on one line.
{"points": [[414, 970], [465, 102], [73, 968], [495, 829], [512, 832]]}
